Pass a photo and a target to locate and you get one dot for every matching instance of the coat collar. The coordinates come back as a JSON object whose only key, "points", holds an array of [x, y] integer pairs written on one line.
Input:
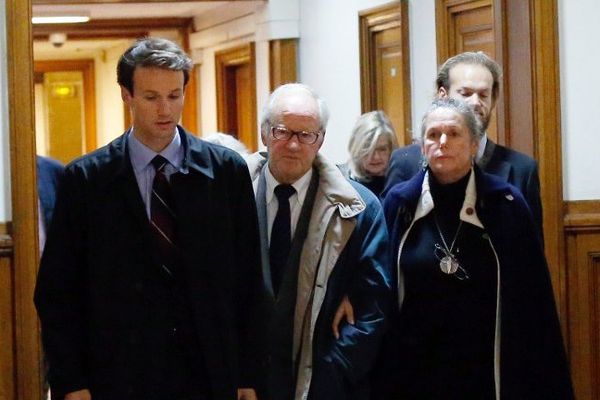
{"points": [[468, 211], [337, 190], [334, 188], [196, 155]]}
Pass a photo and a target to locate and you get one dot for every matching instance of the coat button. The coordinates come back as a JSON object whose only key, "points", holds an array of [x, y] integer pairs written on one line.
{"points": [[469, 210]]}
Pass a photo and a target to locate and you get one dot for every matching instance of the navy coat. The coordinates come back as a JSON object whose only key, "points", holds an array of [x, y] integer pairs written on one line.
{"points": [[49, 174], [533, 363], [100, 292], [509, 165]]}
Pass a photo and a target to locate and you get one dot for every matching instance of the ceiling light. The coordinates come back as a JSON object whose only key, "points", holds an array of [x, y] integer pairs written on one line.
{"points": [[60, 19]]}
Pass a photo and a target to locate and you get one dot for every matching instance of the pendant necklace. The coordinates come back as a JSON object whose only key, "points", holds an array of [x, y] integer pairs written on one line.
{"points": [[448, 263]]}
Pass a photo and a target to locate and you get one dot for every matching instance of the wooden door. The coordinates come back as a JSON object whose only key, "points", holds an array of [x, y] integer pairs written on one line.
{"points": [[467, 26], [385, 65], [236, 94], [68, 114]]}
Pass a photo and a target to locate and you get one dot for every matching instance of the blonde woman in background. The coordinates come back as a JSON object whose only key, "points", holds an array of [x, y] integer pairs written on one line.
{"points": [[372, 141]]}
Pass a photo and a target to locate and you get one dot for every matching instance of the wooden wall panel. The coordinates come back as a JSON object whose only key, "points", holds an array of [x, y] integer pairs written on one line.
{"points": [[24, 198], [283, 56], [7, 361], [582, 226]]}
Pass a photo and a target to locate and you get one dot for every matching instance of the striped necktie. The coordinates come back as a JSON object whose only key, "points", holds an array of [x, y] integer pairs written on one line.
{"points": [[162, 215]]}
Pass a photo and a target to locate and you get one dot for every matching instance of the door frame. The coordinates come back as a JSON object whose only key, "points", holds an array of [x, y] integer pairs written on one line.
{"points": [[86, 67], [224, 59], [371, 21]]}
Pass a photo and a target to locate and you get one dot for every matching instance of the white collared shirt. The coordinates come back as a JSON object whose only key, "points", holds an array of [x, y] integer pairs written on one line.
{"points": [[296, 200], [481, 147]]}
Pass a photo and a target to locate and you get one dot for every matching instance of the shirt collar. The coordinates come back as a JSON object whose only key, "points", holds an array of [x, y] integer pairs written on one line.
{"points": [[301, 185], [141, 155], [481, 147]]}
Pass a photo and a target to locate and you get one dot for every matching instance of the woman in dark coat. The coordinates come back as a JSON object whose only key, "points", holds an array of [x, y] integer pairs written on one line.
{"points": [[475, 315]]}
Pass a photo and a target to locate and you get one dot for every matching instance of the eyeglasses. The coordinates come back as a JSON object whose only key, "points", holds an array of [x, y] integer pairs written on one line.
{"points": [[283, 133]]}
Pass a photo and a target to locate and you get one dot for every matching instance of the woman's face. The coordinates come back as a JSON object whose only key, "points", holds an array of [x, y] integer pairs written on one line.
{"points": [[376, 162], [448, 145]]}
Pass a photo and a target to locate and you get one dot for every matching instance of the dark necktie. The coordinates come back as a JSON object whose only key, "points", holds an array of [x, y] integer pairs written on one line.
{"points": [[281, 236], [162, 215]]}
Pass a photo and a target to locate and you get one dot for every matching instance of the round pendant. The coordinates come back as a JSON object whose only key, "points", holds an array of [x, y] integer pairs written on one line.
{"points": [[449, 265]]}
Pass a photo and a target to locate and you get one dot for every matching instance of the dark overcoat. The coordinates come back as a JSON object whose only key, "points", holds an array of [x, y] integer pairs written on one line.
{"points": [[101, 295], [532, 360]]}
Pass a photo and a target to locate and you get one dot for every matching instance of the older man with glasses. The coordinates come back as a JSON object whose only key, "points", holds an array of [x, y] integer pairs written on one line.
{"points": [[322, 238]]}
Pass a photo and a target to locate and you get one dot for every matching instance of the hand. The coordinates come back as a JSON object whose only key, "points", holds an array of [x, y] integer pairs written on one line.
{"points": [[79, 395], [344, 310], [246, 394]]}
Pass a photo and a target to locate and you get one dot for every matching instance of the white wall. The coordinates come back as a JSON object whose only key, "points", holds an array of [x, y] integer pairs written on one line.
{"points": [[580, 102], [5, 210], [330, 63]]}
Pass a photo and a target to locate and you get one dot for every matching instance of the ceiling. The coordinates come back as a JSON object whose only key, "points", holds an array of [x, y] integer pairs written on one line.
{"points": [[112, 12], [171, 9]]}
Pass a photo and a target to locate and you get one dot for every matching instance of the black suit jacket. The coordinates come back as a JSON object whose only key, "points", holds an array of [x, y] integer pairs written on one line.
{"points": [[101, 295], [511, 166], [49, 173]]}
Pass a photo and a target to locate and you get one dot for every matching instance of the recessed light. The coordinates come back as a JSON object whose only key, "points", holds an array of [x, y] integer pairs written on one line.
{"points": [[60, 19]]}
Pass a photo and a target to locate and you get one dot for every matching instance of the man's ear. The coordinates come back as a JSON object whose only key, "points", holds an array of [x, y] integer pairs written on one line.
{"points": [[263, 138], [442, 92], [321, 140], [126, 95]]}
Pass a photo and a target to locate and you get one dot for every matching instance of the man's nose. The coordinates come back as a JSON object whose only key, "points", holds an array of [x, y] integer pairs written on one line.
{"points": [[474, 100], [293, 142], [164, 108]]}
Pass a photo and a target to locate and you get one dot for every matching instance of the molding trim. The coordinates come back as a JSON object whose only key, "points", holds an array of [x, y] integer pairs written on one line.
{"points": [[112, 28], [27, 346], [582, 215]]}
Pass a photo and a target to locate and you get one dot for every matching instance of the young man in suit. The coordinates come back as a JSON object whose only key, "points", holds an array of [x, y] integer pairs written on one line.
{"points": [[323, 238], [475, 79], [151, 273]]}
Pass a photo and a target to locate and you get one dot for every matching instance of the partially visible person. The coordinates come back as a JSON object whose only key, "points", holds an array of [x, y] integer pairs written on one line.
{"points": [[372, 141], [323, 237], [149, 284], [227, 140], [475, 316], [49, 174], [475, 78]]}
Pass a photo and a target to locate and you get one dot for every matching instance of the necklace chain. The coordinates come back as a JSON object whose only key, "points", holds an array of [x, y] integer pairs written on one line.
{"points": [[437, 225]]}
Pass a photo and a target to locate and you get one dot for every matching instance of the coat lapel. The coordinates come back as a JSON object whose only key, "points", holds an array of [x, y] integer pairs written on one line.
{"points": [[492, 164], [261, 206]]}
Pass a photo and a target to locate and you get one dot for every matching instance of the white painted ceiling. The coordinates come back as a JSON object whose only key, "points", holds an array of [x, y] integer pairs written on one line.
{"points": [[132, 10]]}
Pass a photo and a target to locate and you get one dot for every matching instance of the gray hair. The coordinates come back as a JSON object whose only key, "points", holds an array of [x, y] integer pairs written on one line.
{"points": [[471, 58], [462, 109], [266, 117], [228, 141], [152, 52], [366, 132]]}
